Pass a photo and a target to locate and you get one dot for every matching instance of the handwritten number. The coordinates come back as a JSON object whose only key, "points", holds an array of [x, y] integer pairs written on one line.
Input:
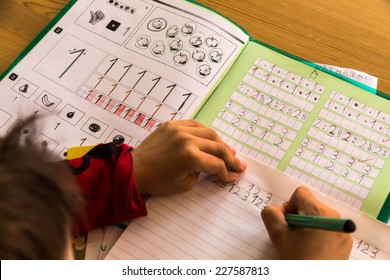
{"points": [[112, 65], [127, 67], [156, 80], [184, 102], [171, 87], [79, 52], [142, 75]]}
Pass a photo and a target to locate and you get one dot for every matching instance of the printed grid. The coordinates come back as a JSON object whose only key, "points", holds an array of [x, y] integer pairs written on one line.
{"points": [[344, 151], [342, 154], [135, 95], [265, 112]]}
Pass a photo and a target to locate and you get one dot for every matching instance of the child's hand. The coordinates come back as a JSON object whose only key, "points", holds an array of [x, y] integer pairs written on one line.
{"points": [[170, 159], [304, 243]]}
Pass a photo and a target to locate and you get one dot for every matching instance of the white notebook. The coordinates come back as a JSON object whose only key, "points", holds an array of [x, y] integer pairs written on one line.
{"points": [[216, 221]]}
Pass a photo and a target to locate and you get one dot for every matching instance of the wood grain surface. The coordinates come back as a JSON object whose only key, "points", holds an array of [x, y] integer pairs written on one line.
{"points": [[353, 34]]}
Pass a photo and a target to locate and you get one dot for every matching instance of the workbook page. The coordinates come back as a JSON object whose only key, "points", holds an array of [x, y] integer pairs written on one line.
{"points": [[222, 221], [331, 135], [115, 70]]}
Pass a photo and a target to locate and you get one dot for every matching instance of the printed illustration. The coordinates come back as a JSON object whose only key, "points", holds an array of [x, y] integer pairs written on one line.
{"points": [[96, 17], [181, 57], [71, 114], [158, 49], [216, 55], [188, 28], [157, 25], [122, 6], [184, 44], [199, 55], [48, 101], [172, 32], [25, 88], [213, 41], [197, 40], [114, 20], [143, 42]]}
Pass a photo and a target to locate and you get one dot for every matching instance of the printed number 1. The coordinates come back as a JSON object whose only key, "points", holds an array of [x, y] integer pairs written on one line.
{"points": [[80, 52]]}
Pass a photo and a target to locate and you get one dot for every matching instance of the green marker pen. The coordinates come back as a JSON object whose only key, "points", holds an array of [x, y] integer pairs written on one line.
{"points": [[319, 222]]}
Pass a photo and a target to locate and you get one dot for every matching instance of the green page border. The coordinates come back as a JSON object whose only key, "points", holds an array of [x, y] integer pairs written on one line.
{"points": [[36, 40]]}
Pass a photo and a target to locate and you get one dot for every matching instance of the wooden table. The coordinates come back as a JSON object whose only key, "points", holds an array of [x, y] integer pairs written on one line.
{"points": [[353, 34]]}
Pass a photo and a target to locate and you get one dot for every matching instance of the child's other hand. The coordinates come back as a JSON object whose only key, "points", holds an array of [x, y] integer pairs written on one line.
{"points": [[170, 159], [305, 243]]}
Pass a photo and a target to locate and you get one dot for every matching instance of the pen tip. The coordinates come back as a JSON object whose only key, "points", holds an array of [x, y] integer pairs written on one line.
{"points": [[349, 226]]}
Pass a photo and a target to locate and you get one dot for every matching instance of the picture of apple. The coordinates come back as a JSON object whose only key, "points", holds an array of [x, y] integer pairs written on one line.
{"points": [[143, 42], [181, 58], [158, 49], [199, 55], [188, 28], [176, 45], [204, 70], [213, 41], [157, 24], [197, 40], [172, 32], [216, 55]]}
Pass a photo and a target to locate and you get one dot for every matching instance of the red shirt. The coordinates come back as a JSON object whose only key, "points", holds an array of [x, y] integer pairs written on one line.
{"points": [[106, 178]]}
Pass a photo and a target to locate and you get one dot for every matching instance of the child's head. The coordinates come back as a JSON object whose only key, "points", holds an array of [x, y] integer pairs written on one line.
{"points": [[38, 200]]}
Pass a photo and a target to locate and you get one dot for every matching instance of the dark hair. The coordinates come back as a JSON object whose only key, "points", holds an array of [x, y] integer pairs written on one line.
{"points": [[39, 199]]}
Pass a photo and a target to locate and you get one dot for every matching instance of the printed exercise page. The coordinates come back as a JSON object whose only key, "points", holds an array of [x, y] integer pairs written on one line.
{"points": [[222, 221], [114, 70], [331, 135]]}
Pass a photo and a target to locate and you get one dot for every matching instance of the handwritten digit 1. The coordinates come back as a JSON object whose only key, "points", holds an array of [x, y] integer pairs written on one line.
{"points": [[127, 70], [142, 75], [113, 88], [156, 80], [142, 101], [79, 52], [99, 81], [172, 87], [147, 122], [173, 116], [158, 108], [108, 103], [99, 97], [184, 102], [112, 65], [82, 141]]}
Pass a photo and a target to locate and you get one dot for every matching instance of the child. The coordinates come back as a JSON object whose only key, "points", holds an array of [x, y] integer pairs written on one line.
{"points": [[40, 199], [41, 202]]}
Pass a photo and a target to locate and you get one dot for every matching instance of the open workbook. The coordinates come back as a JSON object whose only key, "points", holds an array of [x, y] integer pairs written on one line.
{"points": [[107, 70]]}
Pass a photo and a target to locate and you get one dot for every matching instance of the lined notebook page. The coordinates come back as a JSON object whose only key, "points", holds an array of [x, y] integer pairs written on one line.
{"points": [[206, 223], [217, 221]]}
